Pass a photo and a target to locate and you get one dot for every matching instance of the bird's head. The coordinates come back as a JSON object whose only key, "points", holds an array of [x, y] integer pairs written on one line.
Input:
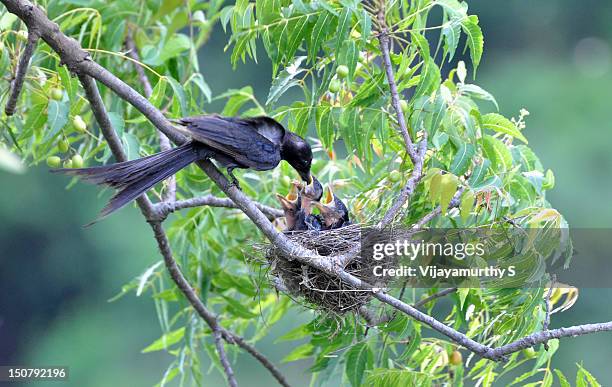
{"points": [[333, 210], [312, 192], [297, 152], [289, 204]]}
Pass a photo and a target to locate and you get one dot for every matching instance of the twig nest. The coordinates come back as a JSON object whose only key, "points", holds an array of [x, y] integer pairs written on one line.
{"points": [[319, 290]]}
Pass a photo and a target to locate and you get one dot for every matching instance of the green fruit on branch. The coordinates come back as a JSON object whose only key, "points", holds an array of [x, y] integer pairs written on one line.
{"points": [[334, 86], [403, 105], [395, 176], [68, 164], [78, 123], [77, 161], [63, 145], [342, 71], [54, 161], [57, 94]]}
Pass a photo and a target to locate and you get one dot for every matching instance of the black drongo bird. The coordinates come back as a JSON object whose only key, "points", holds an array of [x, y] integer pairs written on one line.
{"points": [[298, 217], [258, 143], [334, 212]]}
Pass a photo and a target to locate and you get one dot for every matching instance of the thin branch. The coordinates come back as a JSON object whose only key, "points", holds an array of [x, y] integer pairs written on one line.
{"points": [[434, 296], [166, 208], [383, 38], [541, 337], [455, 201], [20, 72], [164, 142], [408, 189], [262, 359], [227, 367], [192, 297]]}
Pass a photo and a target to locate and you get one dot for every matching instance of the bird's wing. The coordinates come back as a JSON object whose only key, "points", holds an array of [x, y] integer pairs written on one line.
{"points": [[234, 137]]}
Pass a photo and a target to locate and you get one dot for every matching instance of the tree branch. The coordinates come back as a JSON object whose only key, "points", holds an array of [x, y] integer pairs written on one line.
{"points": [[455, 201], [434, 296], [383, 38], [79, 62], [166, 208], [20, 72]]}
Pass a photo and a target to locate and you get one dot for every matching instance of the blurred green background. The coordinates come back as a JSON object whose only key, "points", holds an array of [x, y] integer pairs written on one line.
{"points": [[553, 58]]}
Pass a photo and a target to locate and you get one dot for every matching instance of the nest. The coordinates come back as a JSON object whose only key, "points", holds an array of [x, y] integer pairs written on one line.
{"points": [[319, 290]]}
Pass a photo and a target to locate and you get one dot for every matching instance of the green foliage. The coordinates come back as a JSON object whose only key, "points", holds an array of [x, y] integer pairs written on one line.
{"points": [[349, 117]]}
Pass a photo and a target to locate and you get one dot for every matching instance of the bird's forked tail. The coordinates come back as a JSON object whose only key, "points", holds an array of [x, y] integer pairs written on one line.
{"points": [[133, 178]]}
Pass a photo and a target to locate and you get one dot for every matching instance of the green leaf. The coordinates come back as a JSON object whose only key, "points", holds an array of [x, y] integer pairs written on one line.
{"points": [[344, 24], [325, 126], [384, 377], [562, 379], [479, 173], [497, 152], [429, 81], [448, 187], [117, 122], [57, 117], [463, 159], [475, 39], [179, 96], [166, 340], [358, 359], [285, 80], [478, 92], [467, 205], [499, 123], [300, 352], [159, 92], [319, 32], [451, 30], [348, 56], [434, 188]]}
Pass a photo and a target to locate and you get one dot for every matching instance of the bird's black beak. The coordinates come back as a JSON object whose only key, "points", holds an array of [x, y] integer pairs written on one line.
{"points": [[306, 176]]}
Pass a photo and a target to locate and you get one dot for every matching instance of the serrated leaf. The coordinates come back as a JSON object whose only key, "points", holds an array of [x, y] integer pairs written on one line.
{"points": [[285, 80], [325, 126], [475, 39], [497, 152], [429, 79], [478, 92], [358, 359], [166, 340], [319, 32], [344, 23], [348, 56], [501, 124], [462, 160]]}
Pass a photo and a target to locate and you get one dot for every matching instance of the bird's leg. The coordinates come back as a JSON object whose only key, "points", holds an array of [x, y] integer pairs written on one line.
{"points": [[234, 180]]}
